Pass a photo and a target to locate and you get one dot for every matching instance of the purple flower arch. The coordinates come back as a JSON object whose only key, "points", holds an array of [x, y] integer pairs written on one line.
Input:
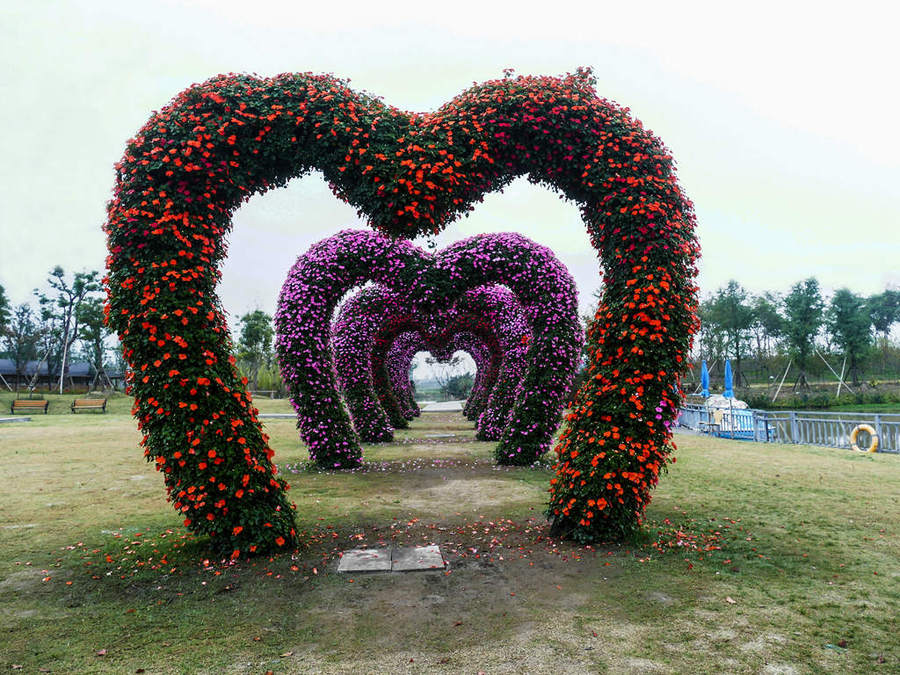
{"points": [[365, 327], [428, 283], [353, 336], [507, 323], [314, 287], [548, 297], [488, 368], [512, 362], [487, 321], [398, 362]]}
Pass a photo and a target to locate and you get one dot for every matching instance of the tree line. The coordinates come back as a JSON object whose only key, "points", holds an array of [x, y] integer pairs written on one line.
{"points": [[799, 325], [65, 322]]}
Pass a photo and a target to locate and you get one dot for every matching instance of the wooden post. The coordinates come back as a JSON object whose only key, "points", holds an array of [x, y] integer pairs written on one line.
{"points": [[838, 395], [778, 391]]}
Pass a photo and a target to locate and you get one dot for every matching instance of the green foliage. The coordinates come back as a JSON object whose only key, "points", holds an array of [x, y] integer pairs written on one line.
{"points": [[21, 337], [254, 347], [850, 324], [820, 400], [269, 379], [60, 314], [93, 334], [458, 386], [844, 334], [884, 310], [767, 324], [731, 313], [803, 308], [711, 338], [5, 311]]}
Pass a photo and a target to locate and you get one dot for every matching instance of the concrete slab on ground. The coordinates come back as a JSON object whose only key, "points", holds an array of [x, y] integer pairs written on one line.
{"points": [[366, 560], [277, 416], [415, 558], [396, 559]]}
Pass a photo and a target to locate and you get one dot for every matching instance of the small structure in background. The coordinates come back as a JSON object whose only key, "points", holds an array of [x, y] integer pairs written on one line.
{"points": [[730, 416], [81, 376]]}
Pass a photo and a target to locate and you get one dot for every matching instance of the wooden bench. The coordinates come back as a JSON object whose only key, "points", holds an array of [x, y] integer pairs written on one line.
{"points": [[80, 404], [29, 405]]}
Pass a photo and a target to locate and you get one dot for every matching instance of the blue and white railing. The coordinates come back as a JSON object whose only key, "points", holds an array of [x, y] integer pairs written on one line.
{"points": [[832, 429]]}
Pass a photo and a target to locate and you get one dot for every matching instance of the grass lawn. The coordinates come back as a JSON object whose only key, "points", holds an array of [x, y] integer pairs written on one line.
{"points": [[117, 404], [756, 558]]}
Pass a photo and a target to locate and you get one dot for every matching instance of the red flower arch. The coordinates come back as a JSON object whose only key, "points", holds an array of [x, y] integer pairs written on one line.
{"points": [[218, 143]]}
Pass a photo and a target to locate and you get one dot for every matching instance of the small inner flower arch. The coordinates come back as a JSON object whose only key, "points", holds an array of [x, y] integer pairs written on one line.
{"points": [[489, 322]]}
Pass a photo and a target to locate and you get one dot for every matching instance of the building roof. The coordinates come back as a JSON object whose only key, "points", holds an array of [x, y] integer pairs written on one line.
{"points": [[76, 369]]}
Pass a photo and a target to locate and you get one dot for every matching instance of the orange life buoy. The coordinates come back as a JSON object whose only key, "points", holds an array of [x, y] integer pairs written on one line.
{"points": [[873, 446]]}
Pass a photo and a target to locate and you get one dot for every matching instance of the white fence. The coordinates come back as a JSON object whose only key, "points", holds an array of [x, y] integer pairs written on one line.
{"points": [[830, 429]]}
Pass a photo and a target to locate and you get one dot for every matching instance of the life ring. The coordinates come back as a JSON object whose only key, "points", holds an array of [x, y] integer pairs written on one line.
{"points": [[873, 446]]}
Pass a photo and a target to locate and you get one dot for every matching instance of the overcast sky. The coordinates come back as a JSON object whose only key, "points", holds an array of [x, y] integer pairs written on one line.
{"points": [[782, 118]]}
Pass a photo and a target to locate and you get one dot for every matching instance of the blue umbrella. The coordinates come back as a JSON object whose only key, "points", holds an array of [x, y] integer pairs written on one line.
{"points": [[704, 379], [729, 384]]}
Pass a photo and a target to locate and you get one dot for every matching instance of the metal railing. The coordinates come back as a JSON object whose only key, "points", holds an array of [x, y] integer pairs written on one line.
{"points": [[831, 429]]}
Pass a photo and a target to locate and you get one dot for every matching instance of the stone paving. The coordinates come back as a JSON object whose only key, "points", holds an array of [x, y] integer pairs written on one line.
{"points": [[14, 419], [393, 559], [366, 560], [444, 406]]}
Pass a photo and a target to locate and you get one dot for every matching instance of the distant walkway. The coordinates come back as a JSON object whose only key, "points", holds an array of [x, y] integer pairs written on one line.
{"points": [[424, 406], [443, 406]]}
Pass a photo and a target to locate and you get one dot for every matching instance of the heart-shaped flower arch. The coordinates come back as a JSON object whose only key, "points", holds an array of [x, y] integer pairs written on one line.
{"points": [[398, 362], [353, 336], [493, 316], [394, 349], [218, 143], [488, 365], [416, 282], [500, 376]]}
